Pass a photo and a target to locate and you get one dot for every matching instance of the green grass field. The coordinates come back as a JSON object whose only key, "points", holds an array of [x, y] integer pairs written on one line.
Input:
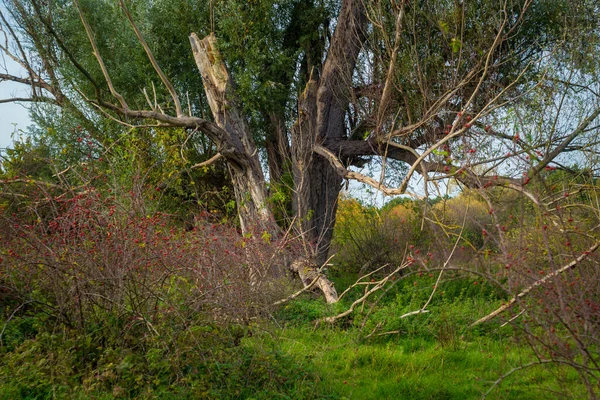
{"points": [[287, 356]]}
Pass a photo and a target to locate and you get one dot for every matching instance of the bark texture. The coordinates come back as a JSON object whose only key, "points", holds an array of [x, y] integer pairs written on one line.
{"points": [[321, 122], [236, 145]]}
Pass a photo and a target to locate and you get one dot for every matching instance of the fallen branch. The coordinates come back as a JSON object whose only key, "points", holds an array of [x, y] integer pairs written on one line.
{"points": [[377, 285], [308, 274], [298, 293], [537, 283], [305, 288], [361, 281]]}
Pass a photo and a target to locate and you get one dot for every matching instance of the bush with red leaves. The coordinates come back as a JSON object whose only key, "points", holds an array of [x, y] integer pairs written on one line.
{"points": [[96, 259]]}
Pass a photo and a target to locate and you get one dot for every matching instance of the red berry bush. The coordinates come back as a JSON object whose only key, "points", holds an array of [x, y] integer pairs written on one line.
{"points": [[93, 259]]}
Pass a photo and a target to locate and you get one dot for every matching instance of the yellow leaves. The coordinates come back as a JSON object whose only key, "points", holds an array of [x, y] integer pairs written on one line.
{"points": [[266, 237], [455, 45], [402, 213], [349, 210]]}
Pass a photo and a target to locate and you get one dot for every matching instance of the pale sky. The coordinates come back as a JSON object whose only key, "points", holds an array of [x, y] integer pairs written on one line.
{"points": [[12, 116]]}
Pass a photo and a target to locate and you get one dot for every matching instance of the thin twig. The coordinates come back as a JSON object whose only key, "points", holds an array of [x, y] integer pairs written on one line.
{"points": [[153, 61], [377, 285], [516, 369], [10, 317]]}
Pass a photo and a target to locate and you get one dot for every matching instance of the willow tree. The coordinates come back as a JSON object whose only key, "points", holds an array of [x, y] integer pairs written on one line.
{"points": [[314, 90]]}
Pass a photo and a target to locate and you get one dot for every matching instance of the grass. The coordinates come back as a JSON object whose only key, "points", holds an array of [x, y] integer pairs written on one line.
{"points": [[416, 368], [431, 356]]}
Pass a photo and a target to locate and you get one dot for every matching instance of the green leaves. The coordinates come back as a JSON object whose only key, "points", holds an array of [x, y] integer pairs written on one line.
{"points": [[455, 45]]}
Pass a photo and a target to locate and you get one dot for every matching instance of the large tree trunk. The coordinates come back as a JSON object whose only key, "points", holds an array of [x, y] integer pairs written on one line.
{"points": [[321, 121], [316, 184], [238, 148]]}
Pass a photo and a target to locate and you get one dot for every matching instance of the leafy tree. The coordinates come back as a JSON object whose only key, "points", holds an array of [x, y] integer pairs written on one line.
{"points": [[318, 89]]}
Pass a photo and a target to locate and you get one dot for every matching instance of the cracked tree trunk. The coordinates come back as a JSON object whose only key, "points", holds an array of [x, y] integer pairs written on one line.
{"points": [[237, 145], [239, 149], [321, 122]]}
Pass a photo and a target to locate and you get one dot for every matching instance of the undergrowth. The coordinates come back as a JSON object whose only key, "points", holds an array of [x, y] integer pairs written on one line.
{"points": [[286, 355], [99, 300]]}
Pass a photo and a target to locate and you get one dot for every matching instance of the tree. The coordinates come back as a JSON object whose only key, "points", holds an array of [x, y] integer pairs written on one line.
{"points": [[319, 88]]}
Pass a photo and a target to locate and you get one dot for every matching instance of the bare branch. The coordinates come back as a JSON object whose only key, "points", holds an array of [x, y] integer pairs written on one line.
{"points": [[208, 162], [28, 99], [333, 160], [153, 61], [537, 283], [563, 145], [521, 367], [376, 286], [98, 56], [389, 81], [47, 24]]}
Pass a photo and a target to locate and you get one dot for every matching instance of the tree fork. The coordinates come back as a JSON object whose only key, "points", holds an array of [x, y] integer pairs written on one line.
{"points": [[240, 151]]}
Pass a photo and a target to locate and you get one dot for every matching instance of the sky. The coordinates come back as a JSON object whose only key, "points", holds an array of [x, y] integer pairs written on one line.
{"points": [[13, 116]]}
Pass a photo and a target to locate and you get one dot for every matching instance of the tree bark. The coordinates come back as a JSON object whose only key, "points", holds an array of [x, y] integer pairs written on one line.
{"points": [[278, 148], [321, 121], [236, 145]]}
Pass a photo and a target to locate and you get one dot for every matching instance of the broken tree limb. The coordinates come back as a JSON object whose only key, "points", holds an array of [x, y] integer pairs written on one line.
{"points": [[306, 287], [537, 283], [309, 273], [237, 143], [376, 286]]}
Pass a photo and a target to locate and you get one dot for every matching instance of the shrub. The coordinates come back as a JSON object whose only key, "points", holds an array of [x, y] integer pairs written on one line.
{"points": [[204, 362], [95, 261], [366, 239]]}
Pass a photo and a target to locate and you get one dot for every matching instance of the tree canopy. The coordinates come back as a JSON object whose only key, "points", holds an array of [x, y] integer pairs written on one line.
{"points": [[283, 101]]}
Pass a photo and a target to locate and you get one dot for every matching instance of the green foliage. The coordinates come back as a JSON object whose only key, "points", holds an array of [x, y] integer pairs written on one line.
{"points": [[26, 159], [457, 303], [204, 362], [432, 356], [365, 239], [280, 198], [304, 311]]}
